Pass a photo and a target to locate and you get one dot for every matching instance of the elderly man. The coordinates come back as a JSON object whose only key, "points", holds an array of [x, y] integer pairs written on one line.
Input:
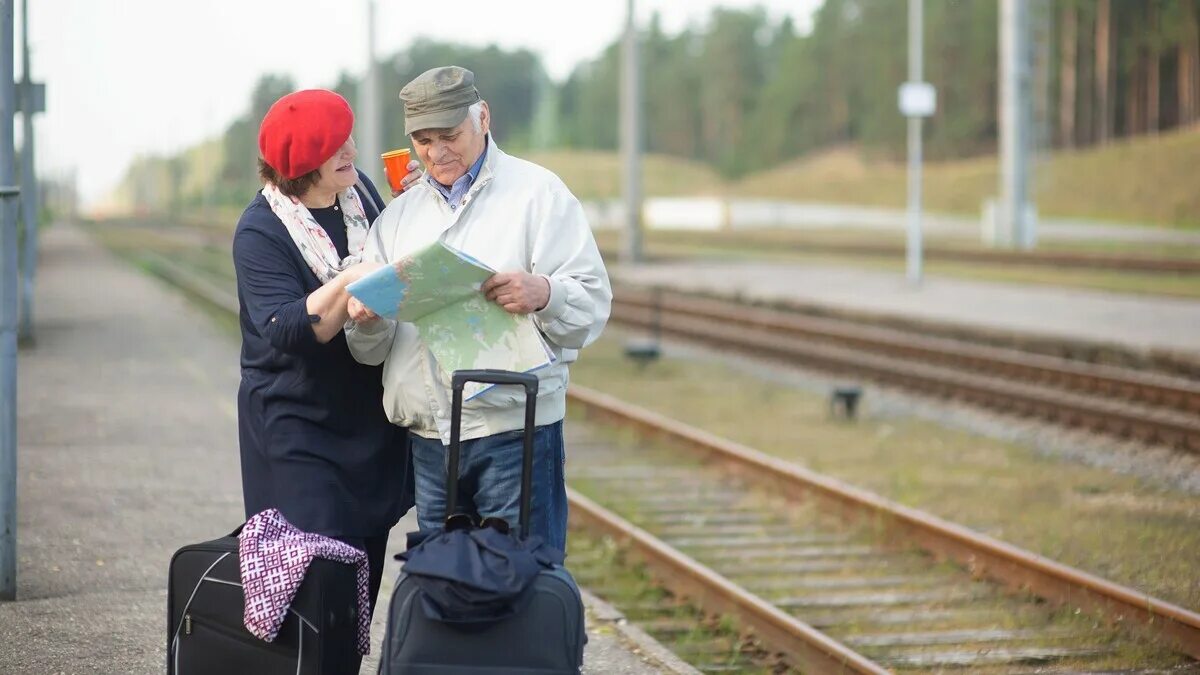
{"points": [[518, 218]]}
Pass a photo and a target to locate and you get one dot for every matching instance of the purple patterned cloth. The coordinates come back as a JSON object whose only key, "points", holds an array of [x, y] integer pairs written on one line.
{"points": [[274, 556]]}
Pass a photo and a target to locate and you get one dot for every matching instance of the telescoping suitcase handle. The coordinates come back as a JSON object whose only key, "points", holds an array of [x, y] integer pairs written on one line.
{"points": [[457, 381]]}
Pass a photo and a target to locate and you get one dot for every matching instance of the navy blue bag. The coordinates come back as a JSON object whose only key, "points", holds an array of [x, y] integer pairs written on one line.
{"points": [[483, 599], [475, 575]]}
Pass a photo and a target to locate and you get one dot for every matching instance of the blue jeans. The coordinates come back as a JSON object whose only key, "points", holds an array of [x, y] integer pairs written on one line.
{"points": [[489, 480]]}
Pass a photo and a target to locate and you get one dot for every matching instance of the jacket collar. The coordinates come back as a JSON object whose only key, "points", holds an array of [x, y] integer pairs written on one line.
{"points": [[485, 172], [489, 163]]}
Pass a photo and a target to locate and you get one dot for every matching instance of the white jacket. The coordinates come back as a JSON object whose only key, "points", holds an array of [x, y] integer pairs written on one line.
{"points": [[516, 216]]}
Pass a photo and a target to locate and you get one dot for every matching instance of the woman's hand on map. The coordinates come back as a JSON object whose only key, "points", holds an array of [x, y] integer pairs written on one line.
{"points": [[360, 313], [517, 292]]}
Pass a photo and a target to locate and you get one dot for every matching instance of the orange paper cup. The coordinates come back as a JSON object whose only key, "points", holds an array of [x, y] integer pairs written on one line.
{"points": [[396, 163]]}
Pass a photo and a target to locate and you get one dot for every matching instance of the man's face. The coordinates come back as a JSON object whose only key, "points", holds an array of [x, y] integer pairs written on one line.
{"points": [[448, 153]]}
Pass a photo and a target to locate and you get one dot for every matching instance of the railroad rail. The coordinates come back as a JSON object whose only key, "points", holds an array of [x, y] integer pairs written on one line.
{"points": [[1116, 401]]}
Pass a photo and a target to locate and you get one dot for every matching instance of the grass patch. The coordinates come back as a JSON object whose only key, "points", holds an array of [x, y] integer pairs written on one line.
{"points": [[1140, 180], [598, 175]]}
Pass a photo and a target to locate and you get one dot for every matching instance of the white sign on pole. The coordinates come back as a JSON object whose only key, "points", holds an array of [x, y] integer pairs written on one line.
{"points": [[917, 99]]}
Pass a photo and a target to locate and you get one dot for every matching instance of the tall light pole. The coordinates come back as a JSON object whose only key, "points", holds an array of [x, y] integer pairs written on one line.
{"points": [[369, 113], [8, 314], [917, 100], [1014, 223], [29, 185], [631, 141]]}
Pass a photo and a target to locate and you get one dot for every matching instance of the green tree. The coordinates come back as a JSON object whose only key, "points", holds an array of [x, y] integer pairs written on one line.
{"points": [[672, 78], [732, 62], [589, 103], [962, 61], [239, 170]]}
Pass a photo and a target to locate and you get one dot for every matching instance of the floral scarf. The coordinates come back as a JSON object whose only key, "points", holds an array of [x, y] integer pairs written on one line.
{"points": [[315, 245]]}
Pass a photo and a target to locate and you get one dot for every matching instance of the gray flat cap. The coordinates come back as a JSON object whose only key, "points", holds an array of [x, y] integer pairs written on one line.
{"points": [[438, 98]]}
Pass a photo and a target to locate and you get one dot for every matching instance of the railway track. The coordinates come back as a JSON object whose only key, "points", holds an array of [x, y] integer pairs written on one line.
{"points": [[816, 568], [1120, 402], [827, 578], [1164, 362]]}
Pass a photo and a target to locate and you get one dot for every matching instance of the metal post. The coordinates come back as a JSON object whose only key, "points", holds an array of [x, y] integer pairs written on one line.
{"points": [[1012, 212], [631, 142], [915, 66], [370, 144], [29, 186], [8, 316], [544, 129]]}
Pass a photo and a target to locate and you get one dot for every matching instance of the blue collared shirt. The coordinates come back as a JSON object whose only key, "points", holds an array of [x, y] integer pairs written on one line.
{"points": [[454, 194]]}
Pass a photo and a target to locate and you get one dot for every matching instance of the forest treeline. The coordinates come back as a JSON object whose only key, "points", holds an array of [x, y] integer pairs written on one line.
{"points": [[744, 92]]}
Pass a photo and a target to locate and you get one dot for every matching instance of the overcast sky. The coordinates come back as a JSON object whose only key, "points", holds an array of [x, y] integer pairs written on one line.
{"points": [[129, 77]]}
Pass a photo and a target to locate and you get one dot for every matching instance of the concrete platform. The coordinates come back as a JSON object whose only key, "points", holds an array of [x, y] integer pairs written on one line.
{"points": [[127, 451], [1137, 322]]}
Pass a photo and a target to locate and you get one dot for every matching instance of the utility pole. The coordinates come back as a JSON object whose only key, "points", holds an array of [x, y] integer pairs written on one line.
{"points": [[631, 142], [29, 184], [8, 314], [1014, 213], [917, 100], [370, 145], [545, 113]]}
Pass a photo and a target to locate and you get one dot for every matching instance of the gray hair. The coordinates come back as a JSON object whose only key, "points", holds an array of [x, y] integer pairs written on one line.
{"points": [[475, 112]]}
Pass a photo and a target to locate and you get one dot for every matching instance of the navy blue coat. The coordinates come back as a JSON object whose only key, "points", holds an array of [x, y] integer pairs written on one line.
{"points": [[315, 442]]}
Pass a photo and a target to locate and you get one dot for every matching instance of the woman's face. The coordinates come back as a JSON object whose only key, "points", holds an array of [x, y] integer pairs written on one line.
{"points": [[338, 172]]}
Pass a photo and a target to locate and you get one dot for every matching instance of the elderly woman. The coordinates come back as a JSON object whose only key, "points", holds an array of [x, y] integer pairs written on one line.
{"points": [[315, 442]]}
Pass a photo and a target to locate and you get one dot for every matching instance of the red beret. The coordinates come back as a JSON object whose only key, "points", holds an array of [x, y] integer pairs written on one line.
{"points": [[304, 129]]}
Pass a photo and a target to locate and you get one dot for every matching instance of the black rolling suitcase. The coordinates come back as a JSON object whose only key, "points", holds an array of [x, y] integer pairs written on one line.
{"points": [[545, 637], [205, 607]]}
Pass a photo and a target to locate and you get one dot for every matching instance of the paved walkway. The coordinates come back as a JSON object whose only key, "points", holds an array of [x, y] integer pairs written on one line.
{"points": [[128, 450], [1135, 321]]}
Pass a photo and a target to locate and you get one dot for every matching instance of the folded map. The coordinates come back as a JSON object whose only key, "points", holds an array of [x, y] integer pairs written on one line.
{"points": [[437, 290]]}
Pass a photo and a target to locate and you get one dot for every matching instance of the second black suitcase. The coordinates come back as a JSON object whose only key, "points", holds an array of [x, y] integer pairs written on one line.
{"points": [[205, 607], [546, 637]]}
